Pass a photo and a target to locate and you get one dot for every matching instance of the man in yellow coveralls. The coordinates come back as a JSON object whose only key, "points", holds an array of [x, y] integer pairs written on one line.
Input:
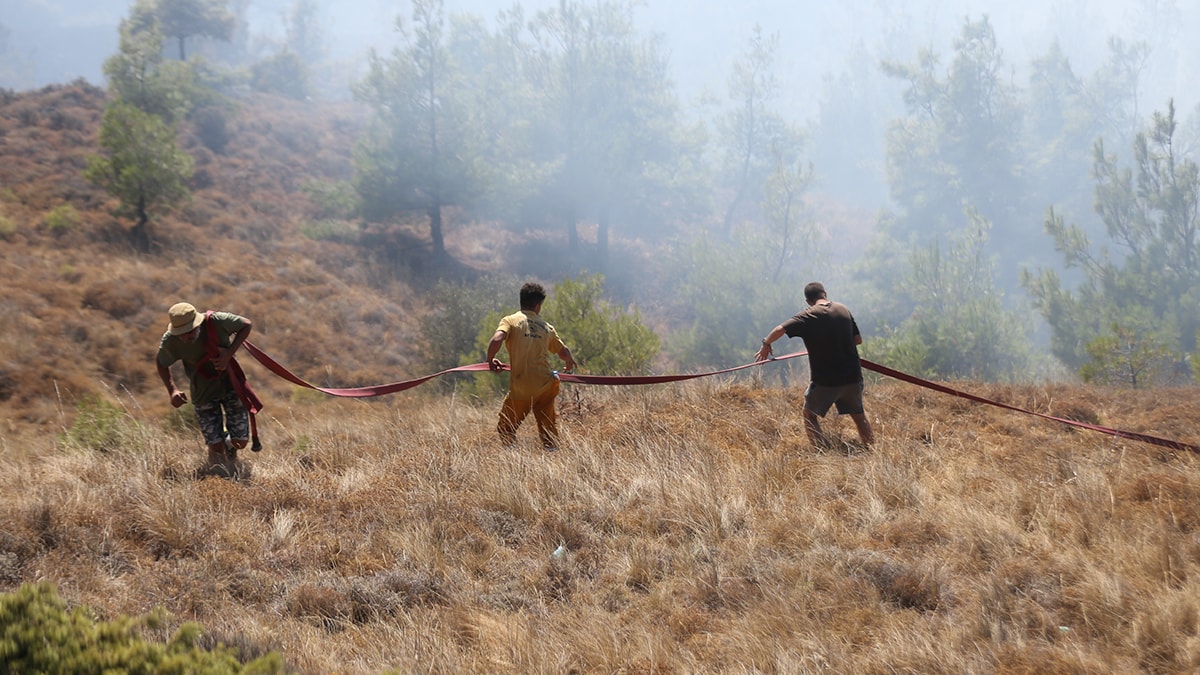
{"points": [[533, 385]]}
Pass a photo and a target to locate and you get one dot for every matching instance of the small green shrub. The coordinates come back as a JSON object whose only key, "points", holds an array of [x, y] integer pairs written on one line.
{"points": [[332, 199], [603, 338], [7, 227], [306, 396], [340, 231], [464, 312], [99, 425], [1127, 356], [182, 420], [211, 128], [38, 634], [62, 218], [284, 73]]}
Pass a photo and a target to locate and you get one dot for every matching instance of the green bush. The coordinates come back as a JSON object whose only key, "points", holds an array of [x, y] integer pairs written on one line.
{"points": [[335, 199], [603, 338], [1129, 356], [284, 74], [38, 634], [62, 218], [732, 300], [212, 128], [464, 312], [329, 229], [7, 227], [99, 425]]}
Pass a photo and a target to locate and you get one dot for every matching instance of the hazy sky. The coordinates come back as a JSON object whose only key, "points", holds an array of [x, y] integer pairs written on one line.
{"points": [[59, 40]]}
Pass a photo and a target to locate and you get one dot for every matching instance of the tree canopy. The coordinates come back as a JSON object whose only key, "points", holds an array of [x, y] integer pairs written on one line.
{"points": [[1146, 271], [182, 19]]}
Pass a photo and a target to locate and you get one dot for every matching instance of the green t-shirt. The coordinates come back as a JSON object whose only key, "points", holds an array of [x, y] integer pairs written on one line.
{"points": [[207, 385], [529, 340]]}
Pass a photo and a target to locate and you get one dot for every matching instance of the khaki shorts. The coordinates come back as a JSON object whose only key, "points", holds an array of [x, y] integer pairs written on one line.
{"points": [[848, 398]]}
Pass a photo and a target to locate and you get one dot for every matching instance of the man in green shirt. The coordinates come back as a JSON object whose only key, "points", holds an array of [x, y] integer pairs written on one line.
{"points": [[532, 385], [223, 420]]}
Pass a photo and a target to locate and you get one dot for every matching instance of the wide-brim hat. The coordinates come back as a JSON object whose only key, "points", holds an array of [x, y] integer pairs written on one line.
{"points": [[184, 318]]}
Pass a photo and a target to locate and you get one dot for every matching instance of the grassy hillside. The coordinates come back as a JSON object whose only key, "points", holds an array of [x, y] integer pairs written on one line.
{"points": [[82, 313], [700, 532]]}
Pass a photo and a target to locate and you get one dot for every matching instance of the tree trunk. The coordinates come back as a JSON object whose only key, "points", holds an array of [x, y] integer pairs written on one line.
{"points": [[139, 236], [435, 230], [181, 55]]}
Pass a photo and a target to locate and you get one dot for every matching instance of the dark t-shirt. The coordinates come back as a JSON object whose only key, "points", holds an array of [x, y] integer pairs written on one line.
{"points": [[828, 330]]}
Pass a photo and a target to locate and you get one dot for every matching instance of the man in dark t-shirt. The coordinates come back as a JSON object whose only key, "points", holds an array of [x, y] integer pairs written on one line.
{"points": [[831, 338]]}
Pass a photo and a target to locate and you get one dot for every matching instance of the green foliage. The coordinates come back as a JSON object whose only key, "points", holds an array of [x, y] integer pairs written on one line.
{"points": [[783, 207], [98, 425], [211, 127], [1150, 214], [144, 167], [417, 155], [8, 227], [485, 385], [39, 634], [1195, 364], [182, 420], [182, 19], [332, 198], [331, 229], [729, 289], [607, 123], [604, 339], [304, 36], [958, 146], [959, 328], [1130, 356], [466, 313], [284, 74], [138, 75], [62, 218]]}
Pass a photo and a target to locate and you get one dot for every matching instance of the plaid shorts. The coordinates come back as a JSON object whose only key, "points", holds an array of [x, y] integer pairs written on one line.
{"points": [[224, 416]]}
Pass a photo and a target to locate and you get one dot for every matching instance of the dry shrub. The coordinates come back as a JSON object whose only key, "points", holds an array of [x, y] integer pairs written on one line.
{"points": [[1161, 635], [904, 585], [1176, 496], [416, 589], [644, 566], [8, 381], [911, 531], [119, 299], [321, 606]]}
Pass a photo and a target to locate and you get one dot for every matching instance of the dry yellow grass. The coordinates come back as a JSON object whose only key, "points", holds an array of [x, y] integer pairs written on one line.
{"points": [[702, 534]]}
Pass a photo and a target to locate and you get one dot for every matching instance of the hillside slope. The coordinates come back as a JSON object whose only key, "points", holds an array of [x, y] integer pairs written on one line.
{"points": [[82, 312]]}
